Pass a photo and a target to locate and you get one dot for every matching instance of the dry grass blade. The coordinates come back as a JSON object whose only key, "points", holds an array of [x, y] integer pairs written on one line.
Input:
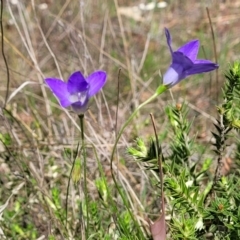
{"points": [[14, 93], [5, 205], [158, 228], [14, 192]]}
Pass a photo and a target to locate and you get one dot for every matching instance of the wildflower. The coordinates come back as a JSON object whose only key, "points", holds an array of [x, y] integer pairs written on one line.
{"points": [[185, 62], [78, 90]]}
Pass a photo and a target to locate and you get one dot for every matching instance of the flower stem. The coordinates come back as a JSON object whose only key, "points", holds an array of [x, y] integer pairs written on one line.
{"points": [[68, 185], [81, 118], [159, 91]]}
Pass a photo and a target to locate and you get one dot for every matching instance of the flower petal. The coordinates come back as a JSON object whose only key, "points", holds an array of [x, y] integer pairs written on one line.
{"points": [[77, 83], [184, 61], [190, 49], [169, 39], [178, 69], [172, 75], [202, 66], [197, 61], [96, 81], [59, 89]]}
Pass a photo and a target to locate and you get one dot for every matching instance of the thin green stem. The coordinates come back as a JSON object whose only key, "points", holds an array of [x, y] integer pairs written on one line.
{"points": [[159, 91], [81, 118], [68, 186]]}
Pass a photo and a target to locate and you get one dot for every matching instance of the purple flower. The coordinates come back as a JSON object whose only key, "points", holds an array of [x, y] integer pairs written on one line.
{"points": [[78, 90], [185, 62]]}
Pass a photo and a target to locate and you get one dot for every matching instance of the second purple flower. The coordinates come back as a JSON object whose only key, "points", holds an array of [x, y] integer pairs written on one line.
{"points": [[185, 62]]}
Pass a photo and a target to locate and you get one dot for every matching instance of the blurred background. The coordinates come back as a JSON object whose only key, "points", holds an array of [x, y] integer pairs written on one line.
{"points": [[53, 39], [124, 38]]}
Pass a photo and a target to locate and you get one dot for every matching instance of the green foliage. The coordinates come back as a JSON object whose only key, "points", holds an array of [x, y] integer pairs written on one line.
{"points": [[182, 145], [144, 154], [18, 224], [200, 201], [5, 139], [56, 204], [102, 189], [231, 97], [76, 174]]}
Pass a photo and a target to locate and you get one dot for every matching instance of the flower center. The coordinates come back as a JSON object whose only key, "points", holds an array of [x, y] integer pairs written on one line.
{"points": [[79, 97]]}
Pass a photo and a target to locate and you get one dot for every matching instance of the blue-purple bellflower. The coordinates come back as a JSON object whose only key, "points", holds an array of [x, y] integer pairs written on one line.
{"points": [[185, 62], [78, 90]]}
